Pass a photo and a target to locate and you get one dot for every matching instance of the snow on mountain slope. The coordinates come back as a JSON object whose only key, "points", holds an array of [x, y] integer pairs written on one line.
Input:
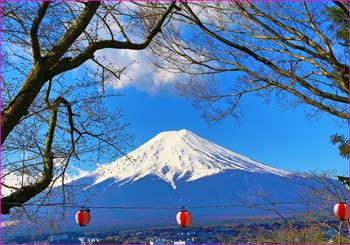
{"points": [[175, 155]]}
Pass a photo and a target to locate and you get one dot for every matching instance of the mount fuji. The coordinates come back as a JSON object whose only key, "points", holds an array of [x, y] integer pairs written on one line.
{"points": [[176, 168], [178, 155]]}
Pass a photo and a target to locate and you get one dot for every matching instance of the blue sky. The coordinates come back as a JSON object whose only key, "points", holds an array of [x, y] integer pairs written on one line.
{"points": [[279, 137], [267, 133]]}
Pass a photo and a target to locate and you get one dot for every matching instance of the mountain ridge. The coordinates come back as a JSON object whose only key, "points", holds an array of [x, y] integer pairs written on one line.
{"points": [[205, 174], [174, 155]]}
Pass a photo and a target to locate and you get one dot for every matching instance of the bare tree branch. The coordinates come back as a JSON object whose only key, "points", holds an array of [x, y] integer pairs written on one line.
{"points": [[289, 53], [34, 30], [67, 38], [267, 62], [27, 192], [343, 7], [73, 32]]}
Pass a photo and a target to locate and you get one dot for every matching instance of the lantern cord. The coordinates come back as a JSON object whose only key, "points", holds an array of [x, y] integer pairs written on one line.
{"points": [[72, 205]]}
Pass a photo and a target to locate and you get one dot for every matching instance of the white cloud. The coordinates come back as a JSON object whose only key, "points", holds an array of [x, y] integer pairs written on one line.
{"points": [[139, 71]]}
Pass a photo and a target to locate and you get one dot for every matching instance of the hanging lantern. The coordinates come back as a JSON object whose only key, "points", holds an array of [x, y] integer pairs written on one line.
{"points": [[184, 218], [342, 211], [82, 217]]}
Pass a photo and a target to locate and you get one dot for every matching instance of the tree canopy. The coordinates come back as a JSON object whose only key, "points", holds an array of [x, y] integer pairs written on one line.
{"points": [[49, 115], [272, 49], [296, 52]]}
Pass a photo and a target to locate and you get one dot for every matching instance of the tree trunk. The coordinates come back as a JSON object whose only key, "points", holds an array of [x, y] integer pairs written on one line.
{"points": [[20, 104]]}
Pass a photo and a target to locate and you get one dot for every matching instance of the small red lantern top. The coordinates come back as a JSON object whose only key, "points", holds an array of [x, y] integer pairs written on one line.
{"points": [[342, 211], [184, 218], [82, 217]]}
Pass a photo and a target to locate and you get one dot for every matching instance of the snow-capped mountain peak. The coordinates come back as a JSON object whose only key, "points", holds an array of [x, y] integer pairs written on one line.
{"points": [[175, 155]]}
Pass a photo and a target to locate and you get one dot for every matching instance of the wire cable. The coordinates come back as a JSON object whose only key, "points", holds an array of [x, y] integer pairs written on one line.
{"points": [[230, 205]]}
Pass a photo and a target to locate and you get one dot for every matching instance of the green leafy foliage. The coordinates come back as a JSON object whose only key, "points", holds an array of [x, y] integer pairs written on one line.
{"points": [[343, 144], [340, 23]]}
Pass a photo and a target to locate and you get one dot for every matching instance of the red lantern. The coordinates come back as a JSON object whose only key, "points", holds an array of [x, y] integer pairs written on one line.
{"points": [[82, 217], [184, 218], [342, 211]]}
